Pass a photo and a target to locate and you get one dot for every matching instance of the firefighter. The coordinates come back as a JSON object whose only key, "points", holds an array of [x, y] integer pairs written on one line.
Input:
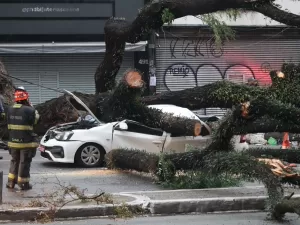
{"points": [[20, 119]]}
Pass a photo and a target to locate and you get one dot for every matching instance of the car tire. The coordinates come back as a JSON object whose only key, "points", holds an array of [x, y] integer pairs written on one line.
{"points": [[90, 155]]}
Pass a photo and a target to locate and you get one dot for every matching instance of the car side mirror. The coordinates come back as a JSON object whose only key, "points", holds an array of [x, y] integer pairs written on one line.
{"points": [[123, 126]]}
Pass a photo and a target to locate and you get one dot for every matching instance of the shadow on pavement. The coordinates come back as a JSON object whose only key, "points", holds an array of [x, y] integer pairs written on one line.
{"points": [[59, 165]]}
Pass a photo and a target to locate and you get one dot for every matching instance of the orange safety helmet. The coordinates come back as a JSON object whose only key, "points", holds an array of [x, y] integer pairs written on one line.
{"points": [[21, 94]]}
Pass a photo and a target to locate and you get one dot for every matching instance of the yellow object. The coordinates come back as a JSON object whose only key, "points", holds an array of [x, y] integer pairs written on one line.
{"points": [[11, 176], [23, 179], [22, 145], [19, 127]]}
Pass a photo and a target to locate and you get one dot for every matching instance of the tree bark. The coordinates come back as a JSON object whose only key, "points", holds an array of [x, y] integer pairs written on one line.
{"points": [[6, 85], [207, 96], [115, 39], [124, 103], [7, 91], [221, 94], [140, 161], [59, 110]]}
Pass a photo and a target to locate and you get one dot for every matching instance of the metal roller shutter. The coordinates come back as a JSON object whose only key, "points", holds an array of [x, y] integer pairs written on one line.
{"points": [[25, 68], [188, 57], [64, 71]]}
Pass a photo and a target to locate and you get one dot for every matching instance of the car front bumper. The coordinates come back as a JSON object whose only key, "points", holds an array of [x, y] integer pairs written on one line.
{"points": [[60, 151]]}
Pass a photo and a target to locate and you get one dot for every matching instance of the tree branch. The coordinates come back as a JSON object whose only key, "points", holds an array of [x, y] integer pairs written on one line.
{"points": [[277, 14], [118, 32]]}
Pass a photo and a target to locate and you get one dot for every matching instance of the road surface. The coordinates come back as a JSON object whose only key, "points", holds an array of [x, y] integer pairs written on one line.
{"points": [[208, 219], [45, 175]]}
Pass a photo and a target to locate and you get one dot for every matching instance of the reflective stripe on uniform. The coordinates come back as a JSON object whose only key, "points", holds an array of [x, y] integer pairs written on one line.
{"points": [[23, 179], [17, 105], [19, 127], [22, 145], [37, 117], [11, 176]]}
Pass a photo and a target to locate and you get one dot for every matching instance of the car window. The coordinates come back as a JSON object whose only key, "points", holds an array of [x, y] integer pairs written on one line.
{"points": [[140, 128]]}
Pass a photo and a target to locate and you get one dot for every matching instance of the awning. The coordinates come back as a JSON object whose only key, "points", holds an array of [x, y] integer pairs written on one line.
{"points": [[67, 48]]}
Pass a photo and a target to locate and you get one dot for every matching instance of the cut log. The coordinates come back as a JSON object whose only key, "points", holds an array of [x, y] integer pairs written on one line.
{"points": [[124, 103], [140, 161], [133, 79]]}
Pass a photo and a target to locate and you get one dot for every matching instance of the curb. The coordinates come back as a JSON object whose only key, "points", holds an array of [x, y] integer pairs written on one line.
{"points": [[207, 205], [147, 206]]}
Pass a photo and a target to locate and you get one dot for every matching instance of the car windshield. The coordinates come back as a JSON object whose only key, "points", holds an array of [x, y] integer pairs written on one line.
{"points": [[88, 119]]}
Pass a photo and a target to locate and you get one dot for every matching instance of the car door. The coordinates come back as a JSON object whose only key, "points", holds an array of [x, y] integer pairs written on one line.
{"points": [[138, 136]]}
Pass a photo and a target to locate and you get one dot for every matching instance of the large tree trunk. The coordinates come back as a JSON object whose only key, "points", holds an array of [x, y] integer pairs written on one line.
{"points": [[63, 109], [115, 38], [124, 103], [6, 85], [7, 96], [207, 96]]}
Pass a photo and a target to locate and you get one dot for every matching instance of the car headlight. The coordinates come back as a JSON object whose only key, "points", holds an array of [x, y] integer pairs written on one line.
{"points": [[65, 136]]}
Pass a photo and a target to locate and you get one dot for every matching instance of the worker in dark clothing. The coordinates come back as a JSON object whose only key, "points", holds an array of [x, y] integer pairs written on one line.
{"points": [[21, 118]]}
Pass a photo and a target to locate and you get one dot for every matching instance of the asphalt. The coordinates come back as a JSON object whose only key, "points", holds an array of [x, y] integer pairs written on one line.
{"points": [[47, 176], [206, 219]]}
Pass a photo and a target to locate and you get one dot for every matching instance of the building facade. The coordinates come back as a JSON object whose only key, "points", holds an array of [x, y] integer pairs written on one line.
{"points": [[58, 44], [187, 55]]}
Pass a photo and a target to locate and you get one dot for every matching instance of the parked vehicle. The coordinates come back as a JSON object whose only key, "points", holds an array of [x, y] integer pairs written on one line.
{"points": [[86, 141]]}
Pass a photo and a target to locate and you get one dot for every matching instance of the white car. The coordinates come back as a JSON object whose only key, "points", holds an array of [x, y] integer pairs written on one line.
{"points": [[86, 141]]}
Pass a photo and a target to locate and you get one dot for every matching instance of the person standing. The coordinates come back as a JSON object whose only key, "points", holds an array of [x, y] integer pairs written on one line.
{"points": [[21, 117]]}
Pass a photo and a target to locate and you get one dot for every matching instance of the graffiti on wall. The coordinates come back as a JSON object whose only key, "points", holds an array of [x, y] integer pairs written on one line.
{"points": [[186, 75], [188, 47], [213, 64]]}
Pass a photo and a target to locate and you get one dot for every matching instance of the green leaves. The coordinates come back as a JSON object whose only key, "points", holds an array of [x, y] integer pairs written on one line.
{"points": [[167, 16]]}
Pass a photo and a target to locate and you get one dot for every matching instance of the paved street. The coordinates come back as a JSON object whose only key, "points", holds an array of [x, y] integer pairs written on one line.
{"points": [[44, 175], [208, 219]]}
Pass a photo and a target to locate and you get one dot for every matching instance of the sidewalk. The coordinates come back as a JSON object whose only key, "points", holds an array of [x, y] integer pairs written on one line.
{"points": [[148, 202]]}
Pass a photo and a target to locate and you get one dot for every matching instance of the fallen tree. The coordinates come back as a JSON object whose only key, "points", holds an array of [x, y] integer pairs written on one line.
{"points": [[240, 164], [219, 156], [123, 103]]}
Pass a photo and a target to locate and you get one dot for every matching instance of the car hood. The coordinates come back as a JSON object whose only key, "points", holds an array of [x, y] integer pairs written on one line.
{"points": [[83, 105]]}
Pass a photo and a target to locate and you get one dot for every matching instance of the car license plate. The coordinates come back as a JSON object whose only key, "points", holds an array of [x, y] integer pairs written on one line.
{"points": [[41, 148]]}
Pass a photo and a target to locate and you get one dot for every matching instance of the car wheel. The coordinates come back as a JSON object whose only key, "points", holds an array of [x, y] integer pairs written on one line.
{"points": [[90, 155]]}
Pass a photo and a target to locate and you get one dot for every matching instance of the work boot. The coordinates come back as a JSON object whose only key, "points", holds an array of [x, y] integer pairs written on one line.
{"points": [[10, 184], [25, 186]]}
